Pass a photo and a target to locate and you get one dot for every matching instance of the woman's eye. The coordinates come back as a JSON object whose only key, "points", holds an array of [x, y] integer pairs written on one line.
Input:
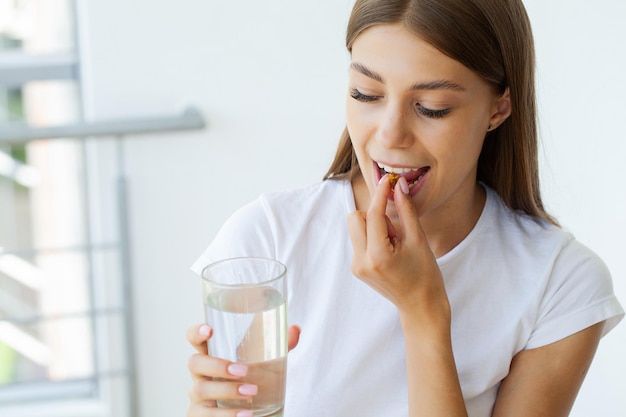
{"points": [[430, 113], [357, 95]]}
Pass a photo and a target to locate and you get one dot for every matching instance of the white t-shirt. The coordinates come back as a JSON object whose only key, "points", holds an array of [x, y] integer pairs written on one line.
{"points": [[513, 284]]}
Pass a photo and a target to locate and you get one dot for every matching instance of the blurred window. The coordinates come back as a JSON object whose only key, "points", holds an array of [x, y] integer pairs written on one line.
{"points": [[60, 293]]}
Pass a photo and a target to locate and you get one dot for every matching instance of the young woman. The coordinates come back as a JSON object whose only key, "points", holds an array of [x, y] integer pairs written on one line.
{"points": [[452, 293]]}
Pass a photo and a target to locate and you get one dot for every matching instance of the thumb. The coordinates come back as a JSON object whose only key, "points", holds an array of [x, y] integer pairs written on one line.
{"points": [[198, 335], [409, 217], [293, 336]]}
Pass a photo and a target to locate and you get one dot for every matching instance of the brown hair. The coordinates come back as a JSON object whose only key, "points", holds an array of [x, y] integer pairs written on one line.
{"points": [[494, 39]]}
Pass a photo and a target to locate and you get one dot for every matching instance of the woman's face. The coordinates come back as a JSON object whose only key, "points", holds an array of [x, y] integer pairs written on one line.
{"points": [[417, 112]]}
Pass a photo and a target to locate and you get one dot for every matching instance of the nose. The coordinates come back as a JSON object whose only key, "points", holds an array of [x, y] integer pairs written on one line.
{"points": [[394, 130]]}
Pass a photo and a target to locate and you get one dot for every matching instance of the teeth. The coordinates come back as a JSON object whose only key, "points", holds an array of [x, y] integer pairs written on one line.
{"points": [[395, 170], [411, 184]]}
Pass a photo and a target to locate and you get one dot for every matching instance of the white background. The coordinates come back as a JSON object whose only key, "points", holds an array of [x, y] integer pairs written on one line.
{"points": [[270, 78]]}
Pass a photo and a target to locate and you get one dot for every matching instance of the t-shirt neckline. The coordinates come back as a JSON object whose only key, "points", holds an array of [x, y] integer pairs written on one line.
{"points": [[480, 225]]}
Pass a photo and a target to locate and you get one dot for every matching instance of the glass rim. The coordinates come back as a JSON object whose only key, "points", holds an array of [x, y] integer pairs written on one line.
{"points": [[281, 274]]}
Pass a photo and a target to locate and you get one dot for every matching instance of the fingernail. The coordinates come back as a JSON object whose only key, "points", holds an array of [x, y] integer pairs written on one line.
{"points": [[237, 369], [245, 413], [404, 185], [204, 330], [248, 389]]}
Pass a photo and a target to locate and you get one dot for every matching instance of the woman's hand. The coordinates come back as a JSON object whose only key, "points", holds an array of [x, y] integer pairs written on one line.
{"points": [[204, 369], [395, 259]]}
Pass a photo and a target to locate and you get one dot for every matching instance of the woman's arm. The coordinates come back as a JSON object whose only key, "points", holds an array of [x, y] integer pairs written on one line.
{"points": [[396, 261], [433, 381], [544, 382]]}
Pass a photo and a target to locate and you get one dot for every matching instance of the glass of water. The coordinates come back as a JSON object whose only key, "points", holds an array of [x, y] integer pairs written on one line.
{"points": [[245, 302]]}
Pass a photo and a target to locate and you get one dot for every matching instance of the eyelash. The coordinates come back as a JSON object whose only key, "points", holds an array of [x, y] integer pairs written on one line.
{"points": [[358, 96], [430, 113], [433, 114]]}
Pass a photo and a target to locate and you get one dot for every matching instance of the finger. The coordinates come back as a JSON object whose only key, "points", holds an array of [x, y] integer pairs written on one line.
{"points": [[378, 203], [293, 336], [199, 410], [377, 223], [409, 217], [202, 410], [208, 390], [356, 229], [198, 335], [391, 229], [203, 366]]}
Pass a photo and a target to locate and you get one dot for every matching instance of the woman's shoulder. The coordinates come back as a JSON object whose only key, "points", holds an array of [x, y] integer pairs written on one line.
{"points": [[276, 221], [522, 226], [293, 202], [328, 201], [527, 238], [320, 194], [574, 283], [543, 243]]}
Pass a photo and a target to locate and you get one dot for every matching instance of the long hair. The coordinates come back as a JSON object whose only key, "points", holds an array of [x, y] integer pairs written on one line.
{"points": [[494, 39]]}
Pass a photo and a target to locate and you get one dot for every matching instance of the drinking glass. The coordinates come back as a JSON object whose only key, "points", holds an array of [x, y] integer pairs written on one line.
{"points": [[245, 302]]}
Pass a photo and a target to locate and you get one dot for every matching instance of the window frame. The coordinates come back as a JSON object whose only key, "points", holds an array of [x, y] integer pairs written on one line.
{"points": [[18, 68], [110, 390]]}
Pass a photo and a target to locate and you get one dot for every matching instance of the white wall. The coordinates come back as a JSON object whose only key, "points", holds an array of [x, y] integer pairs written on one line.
{"points": [[270, 78], [581, 65]]}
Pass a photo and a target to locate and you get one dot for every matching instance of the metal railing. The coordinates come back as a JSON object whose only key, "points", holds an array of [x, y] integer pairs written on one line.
{"points": [[189, 119]]}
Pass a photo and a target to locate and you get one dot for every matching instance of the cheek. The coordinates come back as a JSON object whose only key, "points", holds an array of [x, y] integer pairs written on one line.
{"points": [[359, 133], [353, 119], [357, 136], [469, 130], [361, 119], [453, 143], [464, 147]]}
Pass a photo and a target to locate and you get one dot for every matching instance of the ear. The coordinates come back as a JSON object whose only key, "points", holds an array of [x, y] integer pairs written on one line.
{"points": [[501, 110]]}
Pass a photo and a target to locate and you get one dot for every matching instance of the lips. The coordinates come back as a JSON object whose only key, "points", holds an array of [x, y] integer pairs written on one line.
{"points": [[412, 175]]}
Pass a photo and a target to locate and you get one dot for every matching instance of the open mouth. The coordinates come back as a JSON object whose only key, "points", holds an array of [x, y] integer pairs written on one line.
{"points": [[412, 175]]}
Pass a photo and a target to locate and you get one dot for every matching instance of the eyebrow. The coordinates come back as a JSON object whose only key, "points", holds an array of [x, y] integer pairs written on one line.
{"points": [[429, 85], [366, 71]]}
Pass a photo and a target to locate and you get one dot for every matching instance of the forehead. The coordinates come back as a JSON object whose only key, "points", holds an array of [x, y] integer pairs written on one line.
{"points": [[396, 53]]}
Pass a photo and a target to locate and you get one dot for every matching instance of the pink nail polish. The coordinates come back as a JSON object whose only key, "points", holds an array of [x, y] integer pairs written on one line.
{"points": [[204, 331], [237, 369], [248, 389], [404, 185], [245, 413]]}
